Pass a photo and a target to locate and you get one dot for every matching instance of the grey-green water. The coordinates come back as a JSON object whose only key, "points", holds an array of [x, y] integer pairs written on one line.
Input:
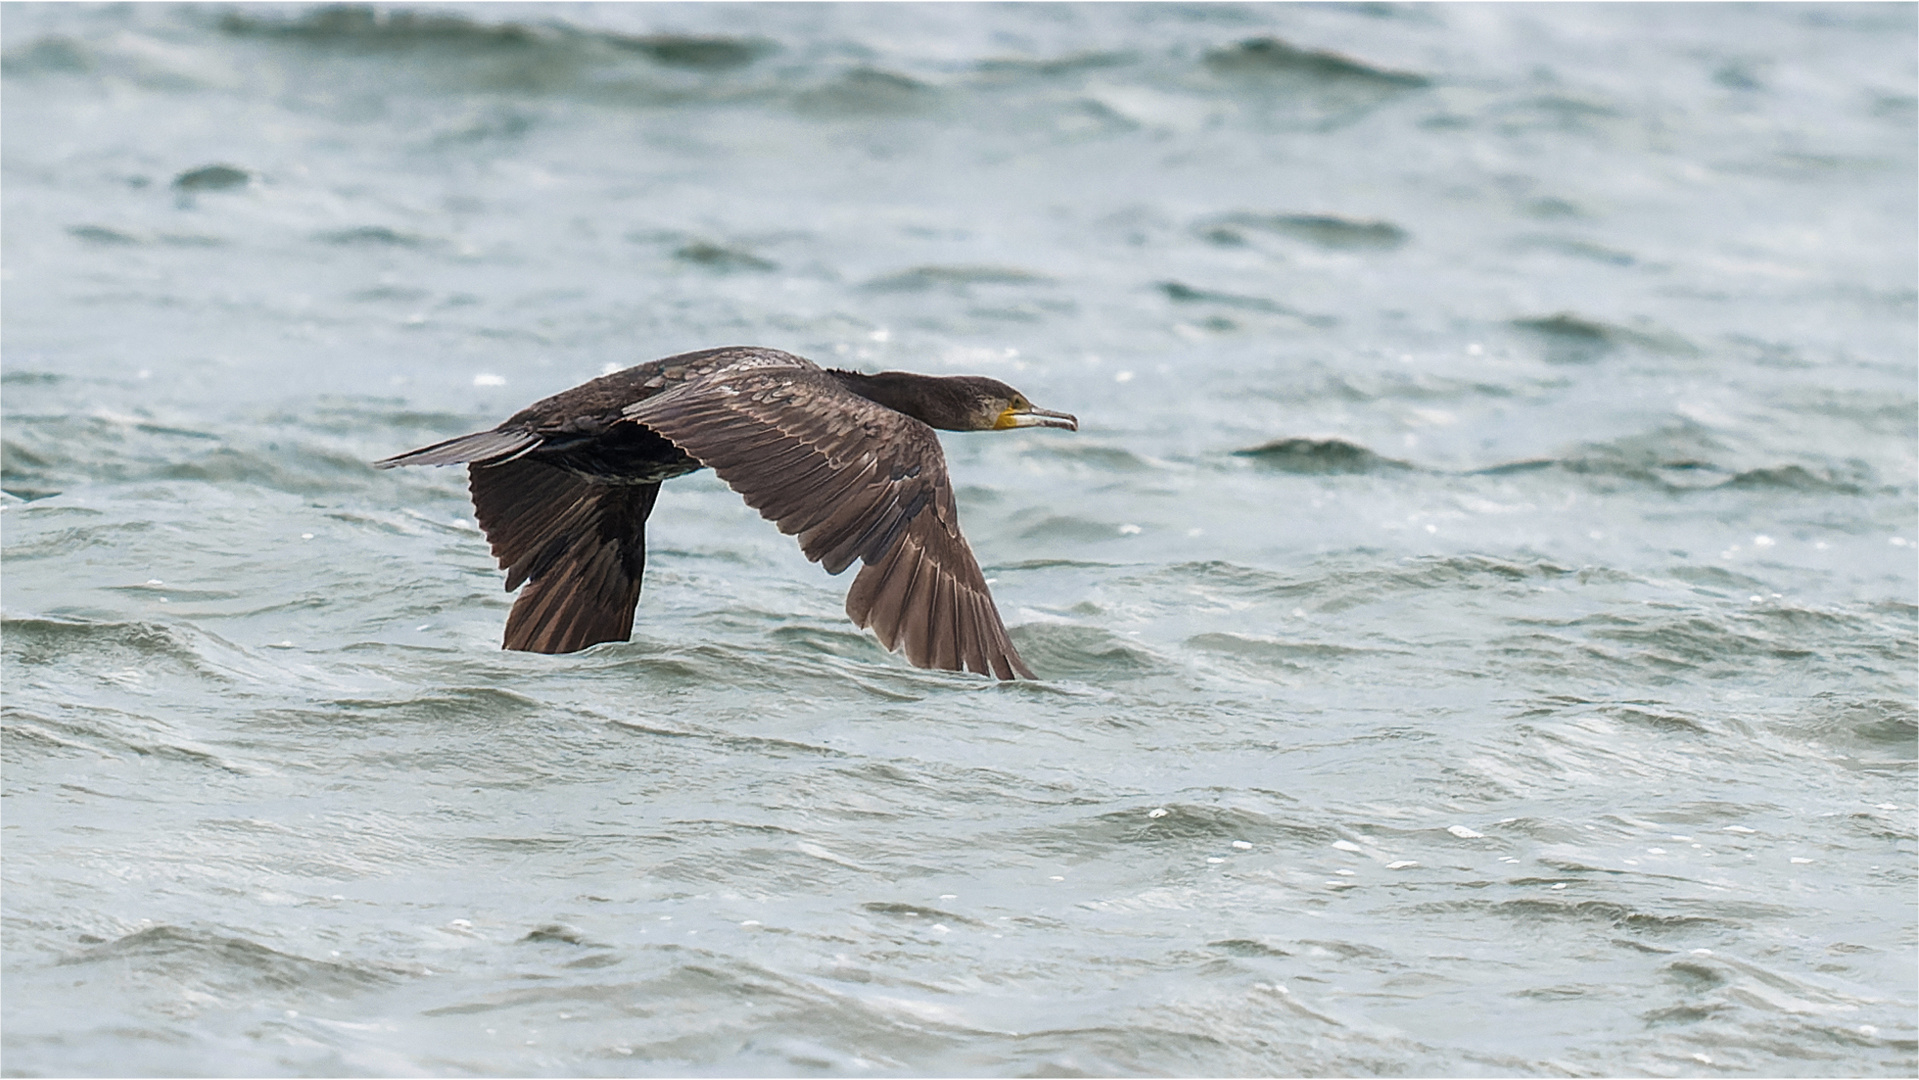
{"points": [[1476, 620]]}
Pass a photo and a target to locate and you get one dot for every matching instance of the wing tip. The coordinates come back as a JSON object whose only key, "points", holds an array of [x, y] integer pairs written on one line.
{"points": [[978, 642], [1017, 668], [564, 618], [479, 448]]}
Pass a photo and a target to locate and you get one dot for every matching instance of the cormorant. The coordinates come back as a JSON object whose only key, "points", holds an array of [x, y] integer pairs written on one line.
{"points": [[846, 461]]}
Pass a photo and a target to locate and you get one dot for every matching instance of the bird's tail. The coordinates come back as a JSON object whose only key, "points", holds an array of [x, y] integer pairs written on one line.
{"points": [[481, 448]]}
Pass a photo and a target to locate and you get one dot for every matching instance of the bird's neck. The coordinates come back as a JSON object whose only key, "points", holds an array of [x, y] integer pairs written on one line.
{"points": [[901, 391]]}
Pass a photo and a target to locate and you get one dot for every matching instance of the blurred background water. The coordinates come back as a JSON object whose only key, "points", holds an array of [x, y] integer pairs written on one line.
{"points": [[1476, 620]]}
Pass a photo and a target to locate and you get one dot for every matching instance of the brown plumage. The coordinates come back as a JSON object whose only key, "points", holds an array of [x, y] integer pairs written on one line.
{"points": [[846, 462]]}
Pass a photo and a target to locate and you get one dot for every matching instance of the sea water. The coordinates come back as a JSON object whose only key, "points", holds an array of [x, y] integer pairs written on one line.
{"points": [[1475, 620]]}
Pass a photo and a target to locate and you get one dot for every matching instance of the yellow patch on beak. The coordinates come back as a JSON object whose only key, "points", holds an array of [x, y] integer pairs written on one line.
{"points": [[1025, 416]]}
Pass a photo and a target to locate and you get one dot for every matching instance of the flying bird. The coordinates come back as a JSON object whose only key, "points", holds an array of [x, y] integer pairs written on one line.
{"points": [[846, 462]]}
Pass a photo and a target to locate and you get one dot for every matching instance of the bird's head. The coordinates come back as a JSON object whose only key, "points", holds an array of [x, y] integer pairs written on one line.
{"points": [[960, 401], [999, 407], [955, 402]]}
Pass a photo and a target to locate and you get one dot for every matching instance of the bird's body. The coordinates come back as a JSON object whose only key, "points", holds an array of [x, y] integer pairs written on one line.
{"points": [[847, 462]]}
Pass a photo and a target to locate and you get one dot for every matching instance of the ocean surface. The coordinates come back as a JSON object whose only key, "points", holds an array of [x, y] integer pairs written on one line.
{"points": [[1476, 619]]}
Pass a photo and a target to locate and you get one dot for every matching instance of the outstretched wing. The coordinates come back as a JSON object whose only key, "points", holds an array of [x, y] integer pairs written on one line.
{"points": [[852, 479], [580, 548]]}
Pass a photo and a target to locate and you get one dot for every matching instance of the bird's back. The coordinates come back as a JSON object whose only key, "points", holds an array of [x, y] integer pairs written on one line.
{"points": [[597, 404]]}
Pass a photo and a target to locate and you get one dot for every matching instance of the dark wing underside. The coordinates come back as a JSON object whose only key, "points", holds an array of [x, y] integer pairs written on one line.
{"points": [[579, 547], [851, 479]]}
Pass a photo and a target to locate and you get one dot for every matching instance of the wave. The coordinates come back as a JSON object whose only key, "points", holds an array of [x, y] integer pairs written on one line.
{"points": [[1319, 457], [722, 258], [865, 92], [375, 236], [458, 704], [1659, 647], [213, 178], [1062, 650], [1687, 458], [1234, 579], [1272, 652], [114, 236], [42, 642], [375, 29], [1322, 230], [1867, 732], [1182, 293], [921, 278], [323, 447], [227, 964], [1605, 464], [1098, 457], [52, 54], [1352, 586], [1676, 459], [446, 50], [1578, 249], [1269, 57], [1575, 339], [1604, 912], [752, 652], [61, 729], [553, 57], [1796, 478], [1177, 825], [1008, 69]]}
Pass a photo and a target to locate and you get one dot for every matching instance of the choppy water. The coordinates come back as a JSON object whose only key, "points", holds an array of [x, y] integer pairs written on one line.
{"points": [[1477, 618]]}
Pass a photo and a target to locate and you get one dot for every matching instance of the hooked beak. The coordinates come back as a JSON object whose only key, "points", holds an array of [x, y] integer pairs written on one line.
{"points": [[1036, 418]]}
